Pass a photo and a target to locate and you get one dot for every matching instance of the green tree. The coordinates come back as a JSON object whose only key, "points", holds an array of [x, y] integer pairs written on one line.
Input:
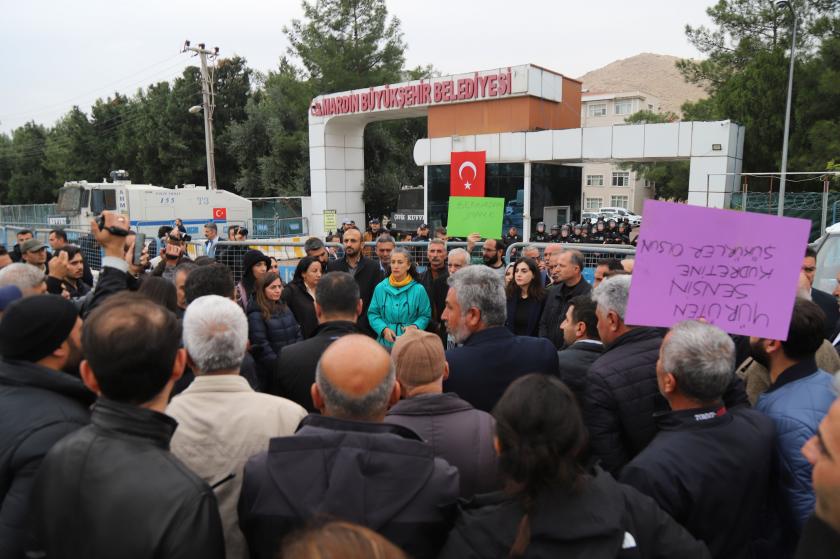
{"points": [[71, 148], [671, 177], [30, 181]]}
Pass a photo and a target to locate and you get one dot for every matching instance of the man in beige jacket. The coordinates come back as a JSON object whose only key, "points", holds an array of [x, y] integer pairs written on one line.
{"points": [[221, 420]]}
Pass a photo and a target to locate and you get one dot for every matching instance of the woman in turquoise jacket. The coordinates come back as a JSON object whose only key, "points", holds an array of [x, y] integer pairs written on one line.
{"points": [[399, 301]]}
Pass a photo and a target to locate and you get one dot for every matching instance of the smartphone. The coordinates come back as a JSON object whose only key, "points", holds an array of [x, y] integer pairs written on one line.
{"points": [[139, 245]]}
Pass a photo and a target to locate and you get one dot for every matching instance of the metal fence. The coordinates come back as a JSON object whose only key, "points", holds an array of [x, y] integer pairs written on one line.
{"points": [[27, 214]]}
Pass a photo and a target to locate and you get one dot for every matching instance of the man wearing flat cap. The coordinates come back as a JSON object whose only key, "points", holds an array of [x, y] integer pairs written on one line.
{"points": [[42, 399], [456, 431], [34, 253]]}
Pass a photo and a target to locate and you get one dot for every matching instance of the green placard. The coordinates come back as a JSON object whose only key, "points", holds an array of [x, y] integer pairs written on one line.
{"points": [[471, 214]]}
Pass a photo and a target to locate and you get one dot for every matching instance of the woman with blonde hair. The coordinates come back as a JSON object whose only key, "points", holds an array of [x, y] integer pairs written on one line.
{"points": [[399, 302]]}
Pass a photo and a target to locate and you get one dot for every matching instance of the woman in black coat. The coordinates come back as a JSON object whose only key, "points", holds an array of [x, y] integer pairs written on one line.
{"points": [[271, 325], [553, 505], [300, 294], [525, 298]]}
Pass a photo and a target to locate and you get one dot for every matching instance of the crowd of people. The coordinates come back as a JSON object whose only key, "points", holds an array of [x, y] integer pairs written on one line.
{"points": [[182, 408]]}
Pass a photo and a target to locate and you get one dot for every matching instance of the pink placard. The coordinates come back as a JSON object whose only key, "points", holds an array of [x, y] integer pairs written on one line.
{"points": [[737, 270]]}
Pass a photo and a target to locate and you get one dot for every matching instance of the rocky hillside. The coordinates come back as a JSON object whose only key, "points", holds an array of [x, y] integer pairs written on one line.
{"points": [[653, 73]]}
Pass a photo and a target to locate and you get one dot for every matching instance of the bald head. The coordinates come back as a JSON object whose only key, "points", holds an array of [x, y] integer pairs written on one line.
{"points": [[355, 379]]}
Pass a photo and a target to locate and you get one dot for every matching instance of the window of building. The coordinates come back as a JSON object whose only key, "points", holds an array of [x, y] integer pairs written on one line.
{"points": [[598, 109], [650, 107], [594, 180], [593, 204], [621, 178], [619, 201], [623, 107]]}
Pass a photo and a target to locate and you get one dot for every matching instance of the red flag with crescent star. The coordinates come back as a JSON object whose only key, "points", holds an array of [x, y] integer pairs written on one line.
{"points": [[466, 173], [220, 213]]}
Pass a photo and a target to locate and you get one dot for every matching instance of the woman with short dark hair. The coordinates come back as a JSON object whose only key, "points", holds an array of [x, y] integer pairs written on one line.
{"points": [[553, 505], [300, 294]]}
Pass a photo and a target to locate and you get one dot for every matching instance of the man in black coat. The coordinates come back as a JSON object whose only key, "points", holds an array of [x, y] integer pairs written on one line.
{"points": [[709, 467], [621, 394], [491, 357], [434, 280], [120, 489], [41, 401], [348, 464], [583, 346], [337, 306], [826, 301], [364, 270], [566, 269]]}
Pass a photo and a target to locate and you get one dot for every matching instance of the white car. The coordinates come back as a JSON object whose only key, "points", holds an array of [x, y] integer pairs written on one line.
{"points": [[608, 212]]}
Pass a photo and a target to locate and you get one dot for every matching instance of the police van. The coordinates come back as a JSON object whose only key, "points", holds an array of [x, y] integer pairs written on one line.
{"points": [[148, 206]]}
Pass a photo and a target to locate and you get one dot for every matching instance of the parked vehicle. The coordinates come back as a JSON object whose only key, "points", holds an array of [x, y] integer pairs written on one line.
{"points": [[615, 212]]}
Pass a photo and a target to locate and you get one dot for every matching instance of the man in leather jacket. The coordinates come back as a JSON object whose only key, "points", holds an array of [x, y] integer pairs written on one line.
{"points": [[113, 488]]}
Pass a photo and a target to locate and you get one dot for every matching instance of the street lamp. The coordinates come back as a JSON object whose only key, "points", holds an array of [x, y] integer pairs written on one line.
{"points": [[781, 4]]}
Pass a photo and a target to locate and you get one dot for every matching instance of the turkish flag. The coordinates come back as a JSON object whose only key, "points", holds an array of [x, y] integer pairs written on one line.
{"points": [[220, 213], [466, 173]]}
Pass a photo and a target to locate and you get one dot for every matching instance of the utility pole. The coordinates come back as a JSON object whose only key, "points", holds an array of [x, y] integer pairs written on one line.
{"points": [[208, 104]]}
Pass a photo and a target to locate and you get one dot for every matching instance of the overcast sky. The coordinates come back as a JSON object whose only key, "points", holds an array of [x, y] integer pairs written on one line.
{"points": [[60, 53]]}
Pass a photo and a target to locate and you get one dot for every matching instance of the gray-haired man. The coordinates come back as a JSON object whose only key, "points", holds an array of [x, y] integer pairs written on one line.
{"points": [[349, 465]]}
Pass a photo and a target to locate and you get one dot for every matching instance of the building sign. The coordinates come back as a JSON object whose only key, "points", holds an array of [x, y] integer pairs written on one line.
{"points": [[422, 93]]}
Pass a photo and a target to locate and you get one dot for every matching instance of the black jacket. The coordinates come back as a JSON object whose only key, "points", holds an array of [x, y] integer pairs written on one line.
{"points": [[268, 337], [38, 407], [709, 468], [481, 370], [556, 305], [533, 312], [593, 523], [828, 304], [818, 541], [302, 306], [367, 276], [114, 489], [294, 371], [436, 290], [621, 396], [374, 474], [575, 361], [457, 432]]}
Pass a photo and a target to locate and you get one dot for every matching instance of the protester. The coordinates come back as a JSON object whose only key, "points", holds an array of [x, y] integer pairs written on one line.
{"points": [[123, 490], [491, 357], [567, 281], [299, 295], [174, 253], [399, 302], [797, 400], [493, 256], [29, 279], [34, 253], [343, 540], [372, 233], [211, 234], [525, 298], [221, 420], [41, 401], [160, 291], [433, 281], [337, 308], [458, 258], [509, 274], [545, 265], [709, 467], [821, 534], [255, 265], [57, 239], [364, 270], [603, 267], [271, 324], [582, 344], [826, 302], [384, 246], [5, 257], [181, 272], [22, 236], [389, 479], [314, 248], [621, 393], [457, 432], [274, 265], [554, 506], [66, 269]]}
